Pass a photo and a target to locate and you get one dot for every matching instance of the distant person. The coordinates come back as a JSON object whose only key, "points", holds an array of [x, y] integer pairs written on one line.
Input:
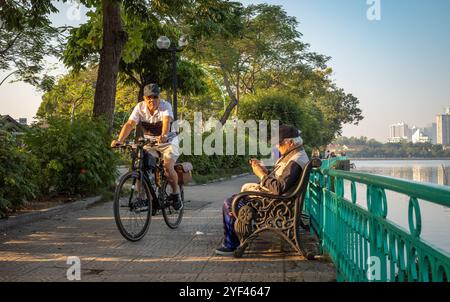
{"points": [[333, 155], [327, 154], [315, 153], [281, 179]]}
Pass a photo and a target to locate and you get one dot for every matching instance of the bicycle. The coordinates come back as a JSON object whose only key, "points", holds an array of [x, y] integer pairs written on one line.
{"points": [[143, 191]]}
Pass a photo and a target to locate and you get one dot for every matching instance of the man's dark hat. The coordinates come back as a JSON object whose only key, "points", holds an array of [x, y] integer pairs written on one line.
{"points": [[151, 90], [288, 131]]}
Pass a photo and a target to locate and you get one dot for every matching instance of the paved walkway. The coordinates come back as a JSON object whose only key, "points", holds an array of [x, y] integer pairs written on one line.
{"points": [[38, 251]]}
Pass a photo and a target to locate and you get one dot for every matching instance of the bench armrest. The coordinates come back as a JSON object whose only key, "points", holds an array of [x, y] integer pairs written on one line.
{"points": [[240, 196]]}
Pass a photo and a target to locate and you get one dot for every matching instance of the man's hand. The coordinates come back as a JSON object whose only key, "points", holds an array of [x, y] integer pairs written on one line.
{"points": [[115, 143], [260, 164], [162, 139], [259, 170]]}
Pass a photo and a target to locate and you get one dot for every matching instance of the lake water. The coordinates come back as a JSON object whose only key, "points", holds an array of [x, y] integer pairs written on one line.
{"points": [[435, 218]]}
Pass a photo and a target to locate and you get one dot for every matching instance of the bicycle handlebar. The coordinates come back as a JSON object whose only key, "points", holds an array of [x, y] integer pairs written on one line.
{"points": [[141, 143]]}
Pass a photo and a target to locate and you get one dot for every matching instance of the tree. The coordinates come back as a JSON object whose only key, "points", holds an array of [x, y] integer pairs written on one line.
{"points": [[26, 38], [114, 39], [70, 97], [338, 108], [110, 49], [141, 62], [263, 50], [287, 109]]}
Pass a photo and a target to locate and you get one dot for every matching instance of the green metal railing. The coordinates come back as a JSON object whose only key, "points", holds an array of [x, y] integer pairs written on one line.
{"points": [[363, 243]]}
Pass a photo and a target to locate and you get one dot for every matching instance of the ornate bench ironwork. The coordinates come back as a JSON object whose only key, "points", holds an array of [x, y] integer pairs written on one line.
{"points": [[282, 215]]}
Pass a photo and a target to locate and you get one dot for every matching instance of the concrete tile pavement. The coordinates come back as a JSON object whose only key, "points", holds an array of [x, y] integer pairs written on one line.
{"points": [[38, 251]]}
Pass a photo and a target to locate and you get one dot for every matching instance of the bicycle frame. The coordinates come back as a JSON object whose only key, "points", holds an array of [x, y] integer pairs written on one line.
{"points": [[142, 175]]}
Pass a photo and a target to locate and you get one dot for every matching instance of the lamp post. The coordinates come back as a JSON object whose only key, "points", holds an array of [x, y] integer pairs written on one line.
{"points": [[164, 44]]}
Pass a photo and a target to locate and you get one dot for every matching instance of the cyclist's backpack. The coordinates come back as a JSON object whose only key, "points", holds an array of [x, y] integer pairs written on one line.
{"points": [[184, 171]]}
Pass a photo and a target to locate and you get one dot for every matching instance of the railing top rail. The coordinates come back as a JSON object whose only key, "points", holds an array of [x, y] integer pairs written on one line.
{"points": [[429, 192]]}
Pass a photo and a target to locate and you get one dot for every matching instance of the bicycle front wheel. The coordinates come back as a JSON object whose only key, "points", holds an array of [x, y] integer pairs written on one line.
{"points": [[172, 217], [132, 207]]}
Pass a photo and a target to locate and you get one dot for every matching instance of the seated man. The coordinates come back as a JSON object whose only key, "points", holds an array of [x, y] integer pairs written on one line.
{"points": [[283, 177], [155, 115]]}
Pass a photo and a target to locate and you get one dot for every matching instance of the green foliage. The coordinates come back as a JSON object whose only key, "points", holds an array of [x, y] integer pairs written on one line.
{"points": [[142, 62], [263, 51], [237, 49], [338, 108], [207, 165], [351, 141], [18, 175], [74, 157], [287, 109], [73, 97], [25, 40]]}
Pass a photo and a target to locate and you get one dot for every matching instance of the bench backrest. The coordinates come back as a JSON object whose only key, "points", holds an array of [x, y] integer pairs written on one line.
{"points": [[300, 187]]}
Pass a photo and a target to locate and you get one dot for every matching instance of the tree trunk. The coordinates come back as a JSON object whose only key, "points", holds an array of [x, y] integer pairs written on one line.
{"points": [[238, 90], [234, 101], [72, 112], [114, 39], [141, 93], [139, 129]]}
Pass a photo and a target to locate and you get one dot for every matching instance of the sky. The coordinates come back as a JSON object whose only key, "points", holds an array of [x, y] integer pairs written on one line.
{"points": [[397, 66]]}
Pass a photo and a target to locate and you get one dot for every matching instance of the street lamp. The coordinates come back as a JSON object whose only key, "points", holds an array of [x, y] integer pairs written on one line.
{"points": [[164, 44]]}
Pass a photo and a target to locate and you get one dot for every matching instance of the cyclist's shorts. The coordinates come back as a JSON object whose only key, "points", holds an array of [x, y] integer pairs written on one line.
{"points": [[170, 150]]}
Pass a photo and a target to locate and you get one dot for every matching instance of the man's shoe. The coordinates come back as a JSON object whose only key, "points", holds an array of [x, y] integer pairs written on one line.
{"points": [[177, 203], [224, 251]]}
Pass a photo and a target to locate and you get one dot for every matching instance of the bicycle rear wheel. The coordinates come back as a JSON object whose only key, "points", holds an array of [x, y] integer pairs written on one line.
{"points": [[172, 217], [132, 207]]}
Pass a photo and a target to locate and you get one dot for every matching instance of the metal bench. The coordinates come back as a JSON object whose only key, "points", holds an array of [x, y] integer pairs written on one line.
{"points": [[263, 212]]}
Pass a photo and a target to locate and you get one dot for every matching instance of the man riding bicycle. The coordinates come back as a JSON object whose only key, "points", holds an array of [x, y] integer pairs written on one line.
{"points": [[156, 115]]}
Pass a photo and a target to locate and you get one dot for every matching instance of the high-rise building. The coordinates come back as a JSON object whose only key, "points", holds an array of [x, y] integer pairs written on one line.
{"points": [[399, 132], [443, 128], [431, 131]]}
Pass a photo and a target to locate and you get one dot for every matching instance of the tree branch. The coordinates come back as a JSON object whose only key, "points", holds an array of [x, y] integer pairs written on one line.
{"points": [[133, 78], [234, 101], [11, 44], [8, 77]]}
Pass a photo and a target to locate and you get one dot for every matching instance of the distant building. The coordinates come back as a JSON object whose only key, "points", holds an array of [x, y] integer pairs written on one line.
{"points": [[8, 124], [443, 128], [411, 131], [399, 132], [23, 121], [420, 137], [431, 131]]}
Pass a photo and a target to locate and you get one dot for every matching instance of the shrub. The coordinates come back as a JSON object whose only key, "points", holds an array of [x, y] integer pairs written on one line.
{"points": [[287, 109], [215, 165], [74, 157], [18, 175]]}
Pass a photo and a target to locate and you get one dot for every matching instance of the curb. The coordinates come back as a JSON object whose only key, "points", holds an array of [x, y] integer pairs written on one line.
{"points": [[220, 180], [26, 218]]}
